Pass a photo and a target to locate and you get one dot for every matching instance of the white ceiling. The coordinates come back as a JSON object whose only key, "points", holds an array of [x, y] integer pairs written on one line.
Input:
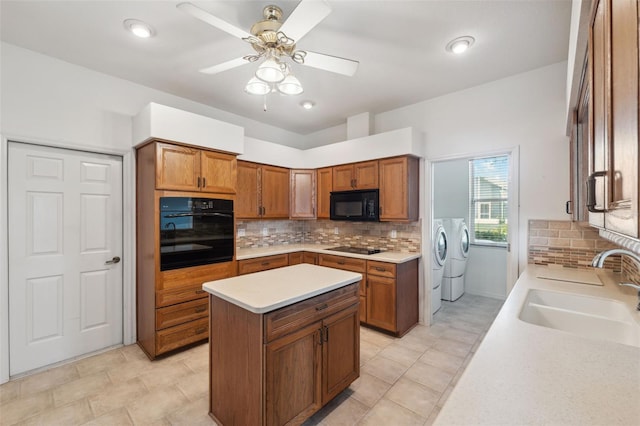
{"points": [[400, 46]]}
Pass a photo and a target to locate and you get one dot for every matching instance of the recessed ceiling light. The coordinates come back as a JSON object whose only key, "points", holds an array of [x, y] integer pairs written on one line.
{"points": [[307, 104], [460, 44], [139, 28]]}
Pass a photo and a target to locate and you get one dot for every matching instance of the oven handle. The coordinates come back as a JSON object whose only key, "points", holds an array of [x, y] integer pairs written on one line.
{"points": [[169, 216]]}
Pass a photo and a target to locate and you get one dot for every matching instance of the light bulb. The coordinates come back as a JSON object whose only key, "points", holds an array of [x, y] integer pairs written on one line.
{"points": [[270, 71], [256, 86], [290, 86]]}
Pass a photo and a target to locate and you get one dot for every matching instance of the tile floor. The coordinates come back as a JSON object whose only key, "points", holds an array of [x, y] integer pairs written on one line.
{"points": [[402, 381]]}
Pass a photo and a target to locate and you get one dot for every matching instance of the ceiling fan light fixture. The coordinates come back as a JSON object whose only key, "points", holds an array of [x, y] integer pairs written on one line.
{"points": [[460, 45], [290, 86], [139, 28], [270, 71], [255, 86]]}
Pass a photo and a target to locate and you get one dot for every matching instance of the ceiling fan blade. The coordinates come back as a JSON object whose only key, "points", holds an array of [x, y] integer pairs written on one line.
{"points": [[304, 17], [207, 17], [224, 66], [335, 64]]}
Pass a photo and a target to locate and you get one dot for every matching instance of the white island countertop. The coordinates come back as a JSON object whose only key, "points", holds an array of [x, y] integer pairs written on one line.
{"points": [[266, 291], [385, 256], [528, 374]]}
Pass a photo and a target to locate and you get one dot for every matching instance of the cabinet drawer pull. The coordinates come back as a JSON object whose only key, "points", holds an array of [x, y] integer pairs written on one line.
{"points": [[322, 307], [199, 291], [201, 330], [204, 182], [201, 309], [198, 181], [341, 262], [567, 207], [591, 192], [326, 333], [378, 268], [265, 263]]}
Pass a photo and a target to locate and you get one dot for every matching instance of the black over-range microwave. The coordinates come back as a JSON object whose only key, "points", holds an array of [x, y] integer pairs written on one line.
{"points": [[360, 205]]}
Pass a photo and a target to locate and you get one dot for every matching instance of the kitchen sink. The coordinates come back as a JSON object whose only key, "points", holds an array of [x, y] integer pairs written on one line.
{"points": [[586, 316]]}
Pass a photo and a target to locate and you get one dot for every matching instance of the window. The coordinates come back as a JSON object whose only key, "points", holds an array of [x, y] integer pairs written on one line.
{"points": [[488, 200]]}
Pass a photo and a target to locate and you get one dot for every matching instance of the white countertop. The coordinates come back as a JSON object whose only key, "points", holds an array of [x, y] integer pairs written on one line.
{"points": [[387, 256], [528, 374], [266, 291]]}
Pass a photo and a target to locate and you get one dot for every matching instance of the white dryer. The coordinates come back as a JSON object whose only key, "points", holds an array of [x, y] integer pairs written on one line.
{"points": [[456, 264], [438, 261]]}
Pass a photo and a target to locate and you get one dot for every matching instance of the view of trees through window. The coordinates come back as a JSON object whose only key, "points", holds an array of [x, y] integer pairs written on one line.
{"points": [[488, 203]]}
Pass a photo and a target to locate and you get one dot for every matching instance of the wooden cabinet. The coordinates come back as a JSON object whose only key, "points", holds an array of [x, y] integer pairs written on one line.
{"points": [[399, 186], [262, 263], [296, 258], [388, 292], [172, 308], [579, 148], [309, 257], [263, 191], [286, 364], [614, 70], [183, 168], [303, 194], [392, 296], [362, 175], [324, 188]]}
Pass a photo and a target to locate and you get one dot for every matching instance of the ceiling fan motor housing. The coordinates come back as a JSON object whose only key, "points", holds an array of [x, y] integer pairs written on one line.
{"points": [[267, 31]]}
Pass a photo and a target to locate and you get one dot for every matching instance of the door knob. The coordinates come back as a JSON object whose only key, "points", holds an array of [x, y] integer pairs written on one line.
{"points": [[115, 259]]}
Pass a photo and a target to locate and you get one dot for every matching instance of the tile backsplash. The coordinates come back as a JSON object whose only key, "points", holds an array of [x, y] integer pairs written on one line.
{"points": [[573, 245], [567, 243], [402, 237]]}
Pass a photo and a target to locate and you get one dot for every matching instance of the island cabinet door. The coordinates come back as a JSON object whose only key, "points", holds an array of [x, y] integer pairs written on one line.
{"points": [[293, 366], [340, 351]]}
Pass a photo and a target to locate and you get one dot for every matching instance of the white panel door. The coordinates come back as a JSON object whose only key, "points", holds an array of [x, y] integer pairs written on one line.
{"points": [[65, 233]]}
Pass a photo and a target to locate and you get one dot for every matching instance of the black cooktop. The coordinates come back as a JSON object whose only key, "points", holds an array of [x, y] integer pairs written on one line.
{"points": [[356, 250]]}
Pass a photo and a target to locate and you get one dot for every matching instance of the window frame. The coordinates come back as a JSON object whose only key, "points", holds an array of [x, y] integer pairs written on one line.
{"points": [[475, 203]]}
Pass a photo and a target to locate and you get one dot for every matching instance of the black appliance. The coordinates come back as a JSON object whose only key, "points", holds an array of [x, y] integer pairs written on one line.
{"points": [[361, 205], [195, 231], [357, 250]]}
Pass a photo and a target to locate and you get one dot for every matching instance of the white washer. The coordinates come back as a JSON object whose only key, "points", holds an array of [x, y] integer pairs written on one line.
{"points": [[456, 264], [438, 261]]}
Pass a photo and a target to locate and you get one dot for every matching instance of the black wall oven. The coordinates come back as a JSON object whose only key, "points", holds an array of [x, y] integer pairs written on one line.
{"points": [[195, 231]]}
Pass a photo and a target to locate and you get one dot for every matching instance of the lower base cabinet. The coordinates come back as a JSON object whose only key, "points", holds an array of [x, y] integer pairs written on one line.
{"points": [[286, 364]]}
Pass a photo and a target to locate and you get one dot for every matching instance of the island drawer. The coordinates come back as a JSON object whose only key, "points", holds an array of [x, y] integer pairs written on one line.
{"points": [[381, 269], [262, 263], [181, 313], [181, 335], [180, 295], [292, 318], [342, 262]]}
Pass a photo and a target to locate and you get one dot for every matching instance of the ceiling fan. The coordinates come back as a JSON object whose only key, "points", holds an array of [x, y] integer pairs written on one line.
{"points": [[274, 42]]}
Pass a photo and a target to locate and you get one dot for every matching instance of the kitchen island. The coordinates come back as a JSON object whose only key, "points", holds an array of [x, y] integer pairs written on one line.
{"points": [[283, 343]]}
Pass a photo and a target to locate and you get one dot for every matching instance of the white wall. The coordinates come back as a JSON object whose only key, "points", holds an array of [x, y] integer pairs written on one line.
{"points": [[48, 99], [451, 189], [486, 273], [525, 110]]}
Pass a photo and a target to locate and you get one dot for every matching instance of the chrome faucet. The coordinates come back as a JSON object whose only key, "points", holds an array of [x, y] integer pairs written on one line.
{"points": [[598, 262]]}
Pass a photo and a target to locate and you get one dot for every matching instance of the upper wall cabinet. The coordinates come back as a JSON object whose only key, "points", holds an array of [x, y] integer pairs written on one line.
{"points": [[303, 194], [399, 191], [612, 197], [263, 191], [324, 188], [183, 168], [355, 176]]}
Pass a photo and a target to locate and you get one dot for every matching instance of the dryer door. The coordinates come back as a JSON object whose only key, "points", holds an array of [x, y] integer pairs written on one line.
{"points": [[464, 240], [440, 246]]}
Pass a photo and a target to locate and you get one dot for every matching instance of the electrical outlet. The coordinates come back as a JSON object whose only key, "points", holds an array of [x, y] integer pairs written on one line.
{"points": [[336, 231], [394, 233], [242, 232], [265, 232]]}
